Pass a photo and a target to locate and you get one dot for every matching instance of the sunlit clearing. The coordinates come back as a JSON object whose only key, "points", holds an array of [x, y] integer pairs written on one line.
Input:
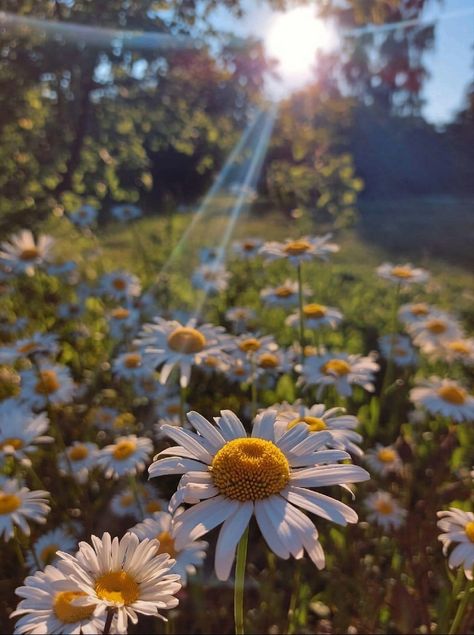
{"points": [[294, 38]]}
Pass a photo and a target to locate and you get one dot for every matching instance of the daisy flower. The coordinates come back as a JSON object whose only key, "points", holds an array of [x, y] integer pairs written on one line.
{"points": [[271, 362], [444, 397], [124, 213], [21, 429], [70, 310], [402, 274], [239, 370], [285, 295], [457, 350], [102, 417], [172, 344], [210, 364], [133, 365], [161, 527], [127, 455], [339, 426], [249, 345], [383, 460], [125, 504], [49, 605], [228, 477], [37, 344], [120, 285], [339, 370], [247, 249], [211, 278], [300, 250], [18, 504], [23, 253], [429, 334], [211, 255], [44, 550], [127, 576], [383, 510], [81, 458], [50, 383], [84, 216], [458, 527], [414, 312], [240, 318], [123, 320], [316, 316], [399, 348]]}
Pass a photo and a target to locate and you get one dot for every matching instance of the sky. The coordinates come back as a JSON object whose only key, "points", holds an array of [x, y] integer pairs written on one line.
{"points": [[450, 63]]}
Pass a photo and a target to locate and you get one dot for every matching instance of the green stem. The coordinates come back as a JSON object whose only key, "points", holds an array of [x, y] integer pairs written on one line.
{"points": [[253, 387], [463, 604], [136, 495], [18, 551], [301, 314], [292, 611], [182, 403], [108, 621], [239, 583]]}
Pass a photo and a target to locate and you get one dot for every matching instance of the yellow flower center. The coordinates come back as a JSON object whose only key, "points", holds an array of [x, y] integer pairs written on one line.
{"points": [[314, 310], [66, 612], [152, 507], [126, 500], [419, 309], [336, 367], [211, 361], [121, 313], [47, 382], [28, 348], [118, 587], [268, 360], [469, 529], [458, 346], [308, 350], [48, 554], [250, 469], [315, 424], [124, 449], [402, 272], [249, 345], [296, 247], [166, 544], [78, 453], [133, 360], [386, 455], [124, 420], [8, 503], [119, 284], [11, 442], [384, 507], [284, 292], [29, 254], [186, 340], [239, 370], [436, 327], [453, 394]]}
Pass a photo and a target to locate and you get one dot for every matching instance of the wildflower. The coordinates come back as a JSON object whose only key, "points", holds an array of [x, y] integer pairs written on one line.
{"points": [[384, 510], [457, 350], [126, 456], [84, 216], [414, 312], [300, 250], [124, 213], [21, 429], [133, 365], [249, 345], [444, 397], [240, 317], [285, 295], [120, 285], [458, 527], [228, 477], [247, 249], [398, 348], [316, 316], [78, 460], [383, 460], [18, 504], [23, 253], [211, 278], [402, 274], [44, 550], [429, 334], [122, 321], [39, 344], [49, 383]]}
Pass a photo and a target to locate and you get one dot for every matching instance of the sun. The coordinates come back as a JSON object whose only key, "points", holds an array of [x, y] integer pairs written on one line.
{"points": [[293, 39]]}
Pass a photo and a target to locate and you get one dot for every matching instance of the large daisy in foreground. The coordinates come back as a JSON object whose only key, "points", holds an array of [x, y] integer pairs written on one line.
{"points": [[229, 476]]}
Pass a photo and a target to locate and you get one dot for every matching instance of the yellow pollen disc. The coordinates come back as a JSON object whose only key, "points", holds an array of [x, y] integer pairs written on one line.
{"points": [[118, 587], [419, 309], [250, 345], [386, 455], [436, 327], [8, 503], [315, 424], [78, 453], [384, 507], [124, 449], [250, 469], [48, 554], [469, 529], [152, 507], [186, 340], [29, 254], [119, 284], [166, 544], [314, 310], [120, 314], [28, 348], [453, 394], [268, 360], [126, 500], [458, 346], [47, 382], [297, 247], [133, 360], [284, 292], [14, 443], [336, 367], [310, 350], [402, 272], [211, 361], [66, 612]]}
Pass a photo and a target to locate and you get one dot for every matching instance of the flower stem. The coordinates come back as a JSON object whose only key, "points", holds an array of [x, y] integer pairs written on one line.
{"points": [[108, 621], [301, 315], [463, 604], [239, 583]]}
